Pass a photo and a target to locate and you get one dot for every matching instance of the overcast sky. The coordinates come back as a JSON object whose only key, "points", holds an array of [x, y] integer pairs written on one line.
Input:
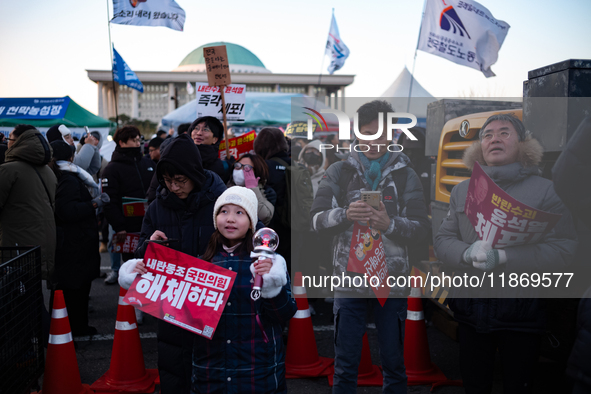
{"points": [[46, 46]]}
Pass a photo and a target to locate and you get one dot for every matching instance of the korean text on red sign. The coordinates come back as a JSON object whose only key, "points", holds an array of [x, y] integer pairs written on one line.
{"points": [[239, 146], [500, 219], [182, 290]]}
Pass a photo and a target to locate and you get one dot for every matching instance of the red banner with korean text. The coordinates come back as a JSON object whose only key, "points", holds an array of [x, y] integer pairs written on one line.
{"points": [[500, 219], [239, 146], [182, 290], [367, 256], [127, 246]]}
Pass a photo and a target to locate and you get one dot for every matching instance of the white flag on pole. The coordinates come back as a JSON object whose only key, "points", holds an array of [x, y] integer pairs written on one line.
{"points": [[165, 13], [190, 88], [335, 48], [464, 32]]}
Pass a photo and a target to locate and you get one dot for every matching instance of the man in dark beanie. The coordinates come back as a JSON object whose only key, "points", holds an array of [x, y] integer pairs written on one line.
{"points": [[59, 131], [207, 132], [183, 210]]}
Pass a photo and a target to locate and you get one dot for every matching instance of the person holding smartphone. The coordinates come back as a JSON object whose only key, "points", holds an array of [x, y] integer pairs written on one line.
{"points": [[400, 217]]}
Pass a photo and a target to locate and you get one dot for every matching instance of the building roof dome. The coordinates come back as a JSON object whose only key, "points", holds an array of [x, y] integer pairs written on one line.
{"points": [[241, 60]]}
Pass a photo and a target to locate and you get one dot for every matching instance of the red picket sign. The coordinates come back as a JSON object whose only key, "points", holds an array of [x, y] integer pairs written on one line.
{"points": [[182, 290], [367, 256], [127, 246], [239, 146]]}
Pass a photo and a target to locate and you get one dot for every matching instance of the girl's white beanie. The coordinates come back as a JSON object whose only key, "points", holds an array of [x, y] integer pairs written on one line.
{"points": [[242, 197]]}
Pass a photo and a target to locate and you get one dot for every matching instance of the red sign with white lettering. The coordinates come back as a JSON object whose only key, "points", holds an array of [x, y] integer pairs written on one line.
{"points": [[182, 290]]}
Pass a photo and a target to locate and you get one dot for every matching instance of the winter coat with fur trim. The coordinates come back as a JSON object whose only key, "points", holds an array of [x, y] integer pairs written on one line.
{"points": [[26, 210], [408, 216], [554, 253]]}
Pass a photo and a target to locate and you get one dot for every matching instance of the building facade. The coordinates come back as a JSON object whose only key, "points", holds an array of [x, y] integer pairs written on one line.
{"points": [[164, 91]]}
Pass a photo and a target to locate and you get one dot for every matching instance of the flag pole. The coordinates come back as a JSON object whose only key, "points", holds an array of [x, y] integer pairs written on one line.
{"points": [[412, 74], [112, 72], [222, 88], [321, 67]]}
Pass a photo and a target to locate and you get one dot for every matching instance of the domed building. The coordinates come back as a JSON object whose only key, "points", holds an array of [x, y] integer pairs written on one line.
{"points": [[164, 91]]}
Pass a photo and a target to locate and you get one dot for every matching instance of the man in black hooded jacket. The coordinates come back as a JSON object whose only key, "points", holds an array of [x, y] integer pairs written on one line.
{"points": [[183, 210], [127, 175]]}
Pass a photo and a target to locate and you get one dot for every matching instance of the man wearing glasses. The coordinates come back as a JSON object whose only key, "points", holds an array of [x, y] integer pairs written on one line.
{"points": [[207, 132], [510, 157], [127, 175]]}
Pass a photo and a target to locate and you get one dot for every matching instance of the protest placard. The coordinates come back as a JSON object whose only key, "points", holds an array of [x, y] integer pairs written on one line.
{"points": [[367, 256], [134, 206], [238, 146], [216, 65], [129, 245], [500, 219], [209, 101], [182, 290]]}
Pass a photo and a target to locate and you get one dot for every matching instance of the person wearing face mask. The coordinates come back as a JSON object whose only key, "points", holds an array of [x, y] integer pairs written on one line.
{"points": [[252, 172], [207, 132], [315, 162]]}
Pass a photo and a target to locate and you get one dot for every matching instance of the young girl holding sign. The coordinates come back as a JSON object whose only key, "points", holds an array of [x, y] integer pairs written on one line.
{"points": [[246, 353]]}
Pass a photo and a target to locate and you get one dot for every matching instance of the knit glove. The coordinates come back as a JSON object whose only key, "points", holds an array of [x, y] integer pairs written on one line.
{"points": [[249, 179], [275, 279], [494, 257], [101, 200], [477, 252]]}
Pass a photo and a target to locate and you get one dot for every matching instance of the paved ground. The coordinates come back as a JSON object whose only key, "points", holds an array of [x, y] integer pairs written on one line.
{"points": [[94, 354]]}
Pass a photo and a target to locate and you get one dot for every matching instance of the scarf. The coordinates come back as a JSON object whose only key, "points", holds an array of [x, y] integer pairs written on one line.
{"points": [[373, 169], [83, 175]]}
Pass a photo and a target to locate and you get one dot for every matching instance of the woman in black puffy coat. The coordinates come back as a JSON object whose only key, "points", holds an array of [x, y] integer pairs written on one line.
{"points": [[77, 258]]}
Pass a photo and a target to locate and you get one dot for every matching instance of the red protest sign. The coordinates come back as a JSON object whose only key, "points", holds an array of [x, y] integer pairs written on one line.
{"points": [[500, 219], [127, 246], [135, 208], [367, 256], [238, 146], [182, 290]]}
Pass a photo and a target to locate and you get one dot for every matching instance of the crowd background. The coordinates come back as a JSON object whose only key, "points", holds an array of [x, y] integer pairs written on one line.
{"points": [[68, 199]]}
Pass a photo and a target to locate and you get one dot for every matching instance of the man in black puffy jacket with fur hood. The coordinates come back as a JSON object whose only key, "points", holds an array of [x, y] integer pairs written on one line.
{"points": [[183, 210]]}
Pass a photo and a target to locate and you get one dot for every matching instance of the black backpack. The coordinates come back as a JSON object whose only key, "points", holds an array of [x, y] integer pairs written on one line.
{"points": [[295, 211]]}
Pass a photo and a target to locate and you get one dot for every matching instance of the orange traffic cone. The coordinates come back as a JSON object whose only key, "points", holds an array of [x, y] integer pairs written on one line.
{"points": [[417, 358], [368, 374], [127, 373], [301, 359], [61, 367]]}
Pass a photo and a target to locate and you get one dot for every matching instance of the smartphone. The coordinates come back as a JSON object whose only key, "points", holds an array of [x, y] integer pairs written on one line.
{"points": [[372, 198], [163, 241]]}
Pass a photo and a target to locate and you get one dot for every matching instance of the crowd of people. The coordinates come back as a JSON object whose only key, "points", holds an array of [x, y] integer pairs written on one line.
{"points": [[61, 197]]}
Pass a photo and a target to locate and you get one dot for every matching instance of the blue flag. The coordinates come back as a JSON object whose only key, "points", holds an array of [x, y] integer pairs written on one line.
{"points": [[123, 74]]}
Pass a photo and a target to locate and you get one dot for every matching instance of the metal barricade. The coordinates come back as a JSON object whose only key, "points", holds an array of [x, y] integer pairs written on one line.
{"points": [[21, 303]]}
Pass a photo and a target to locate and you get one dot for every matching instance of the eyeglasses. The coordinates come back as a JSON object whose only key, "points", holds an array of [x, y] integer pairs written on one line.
{"points": [[247, 167], [204, 129], [502, 135], [177, 182]]}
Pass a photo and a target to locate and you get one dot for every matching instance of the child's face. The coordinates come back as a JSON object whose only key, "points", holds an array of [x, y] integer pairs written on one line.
{"points": [[233, 223]]}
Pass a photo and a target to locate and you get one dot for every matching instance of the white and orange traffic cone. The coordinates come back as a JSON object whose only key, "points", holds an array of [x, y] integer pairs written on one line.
{"points": [[301, 359], [368, 374], [127, 372], [62, 375], [417, 358]]}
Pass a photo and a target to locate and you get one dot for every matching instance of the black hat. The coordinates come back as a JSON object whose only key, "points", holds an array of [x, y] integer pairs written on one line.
{"points": [[56, 132], [62, 150], [96, 135]]}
